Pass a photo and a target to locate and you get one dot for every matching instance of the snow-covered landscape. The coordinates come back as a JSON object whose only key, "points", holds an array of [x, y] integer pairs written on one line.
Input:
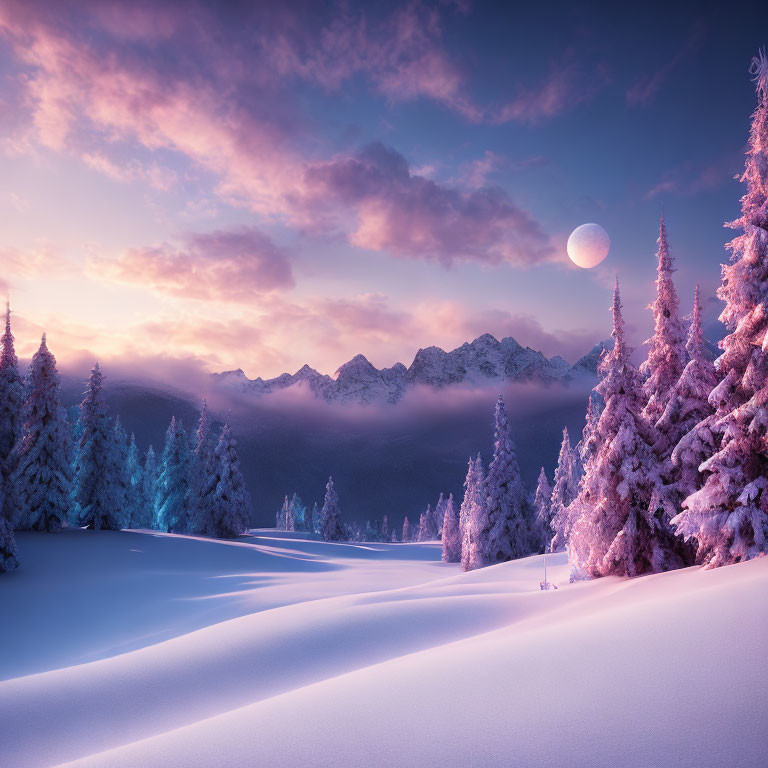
{"points": [[542, 542], [139, 649]]}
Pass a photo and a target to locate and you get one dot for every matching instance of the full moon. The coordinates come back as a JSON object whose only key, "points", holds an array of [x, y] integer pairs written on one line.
{"points": [[588, 245]]}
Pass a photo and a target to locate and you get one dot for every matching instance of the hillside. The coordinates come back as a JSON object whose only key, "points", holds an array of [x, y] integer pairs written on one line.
{"points": [[140, 649]]}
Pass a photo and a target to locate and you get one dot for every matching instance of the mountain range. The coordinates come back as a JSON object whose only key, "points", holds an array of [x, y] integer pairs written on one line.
{"points": [[480, 362]]}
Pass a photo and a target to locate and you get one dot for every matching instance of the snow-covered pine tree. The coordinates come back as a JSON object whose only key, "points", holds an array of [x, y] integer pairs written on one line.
{"points": [[147, 491], [224, 499], [299, 514], [317, 521], [451, 534], [119, 470], [436, 520], [585, 448], [614, 531], [172, 501], [424, 525], [134, 472], [564, 491], [330, 514], [282, 514], [666, 353], [11, 403], [406, 530], [384, 530], [96, 496], [8, 559], [542, 500], [42, 474], [393, 538], [687, 420], [289, 524], [507, 534], [728, 515], [473, 517], [204, 444]]}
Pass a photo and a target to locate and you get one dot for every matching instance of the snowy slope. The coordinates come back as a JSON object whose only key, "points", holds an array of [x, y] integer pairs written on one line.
{"points": [[277, 651], [486, 360]]}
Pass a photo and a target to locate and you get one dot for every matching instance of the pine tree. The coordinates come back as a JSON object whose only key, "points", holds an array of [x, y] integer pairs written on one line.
{"points": [[542, 505], [96, 501], [384, 530], [586, 447], [317, 525], [564, 491], [8, 560], [146, 493], [289, 524], [508, 532], [406, 530], [473, 517], [436, 518], [134, 472], [298, 513], [282, 515], [330, 514], [393, 538], [424, 525], [451, 534], [666, 354], [11, 403], [224, 499], [173, 488], [204, 444], [615, 532], [119, 471], [728, 515], [42, 475], [687, 420]]}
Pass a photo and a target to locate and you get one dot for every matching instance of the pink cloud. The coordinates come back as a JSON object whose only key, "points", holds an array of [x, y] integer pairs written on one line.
{"points": [[685, 181], [218, 266], [414, 217], [567, 85]]}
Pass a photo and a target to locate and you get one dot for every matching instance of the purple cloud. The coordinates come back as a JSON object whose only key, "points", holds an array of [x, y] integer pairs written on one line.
{"points": [[216, 266], [414, 217]]}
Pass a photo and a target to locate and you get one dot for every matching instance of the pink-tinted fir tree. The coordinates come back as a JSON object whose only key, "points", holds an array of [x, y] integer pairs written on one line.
{"points": [[666, 354], [564, 491], [614, 531], [473, 517], [507, 534], [687, 420], [406, 530], [11, 402], [541, 505], [451, 534], [728, 515]]}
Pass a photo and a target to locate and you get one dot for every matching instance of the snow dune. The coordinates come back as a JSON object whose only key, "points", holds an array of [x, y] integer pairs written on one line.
{"points": [[139, 649]]}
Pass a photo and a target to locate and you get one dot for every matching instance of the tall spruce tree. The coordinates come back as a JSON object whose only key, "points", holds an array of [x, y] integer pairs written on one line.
{"points": [[11, 404], [202, 453], [172, 502], [687, 420], [134, 473], [42, 474], [542, 500], [507, 534], [224, 500], [666, 354], [473, 517], [96, 494], [451, 533], [728, 516], [146, 493], [119, 471], [564, 491], [424, 525], [332, 530], [615, 531], [289, 522], [406, 530]]}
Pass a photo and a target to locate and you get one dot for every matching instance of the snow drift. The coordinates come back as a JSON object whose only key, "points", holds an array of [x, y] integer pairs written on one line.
{"points": [[139, 649]]}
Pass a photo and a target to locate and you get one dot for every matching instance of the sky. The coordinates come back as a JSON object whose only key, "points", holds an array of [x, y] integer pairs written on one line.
{"points": [[263, 185]]}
